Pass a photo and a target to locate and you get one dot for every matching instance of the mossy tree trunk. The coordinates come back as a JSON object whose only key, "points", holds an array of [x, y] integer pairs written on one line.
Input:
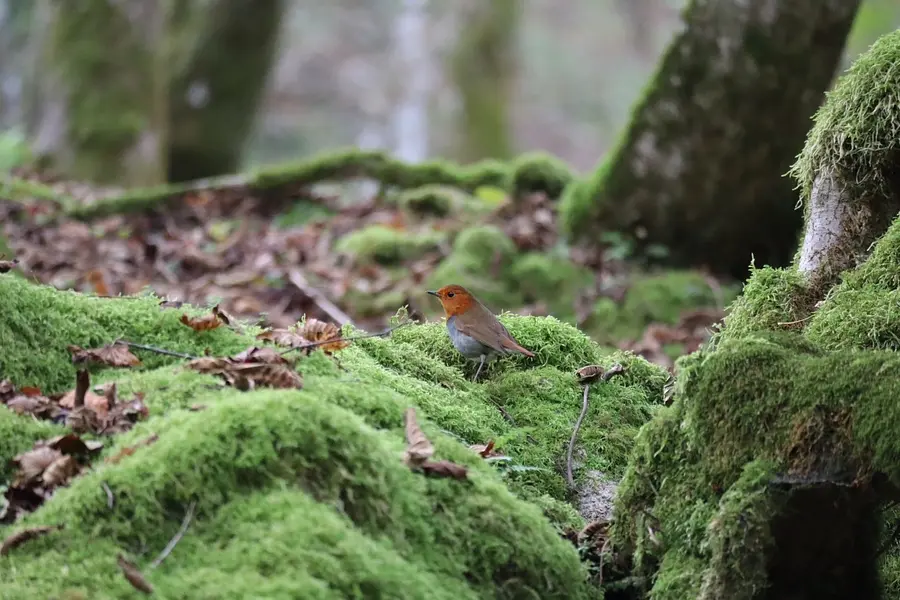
{"points": [[215, 92], [700, 168], [483, 70], [100, 105]]}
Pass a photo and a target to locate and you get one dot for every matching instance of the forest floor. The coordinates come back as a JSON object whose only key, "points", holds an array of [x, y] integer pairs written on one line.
{"points": [[272, 262]]}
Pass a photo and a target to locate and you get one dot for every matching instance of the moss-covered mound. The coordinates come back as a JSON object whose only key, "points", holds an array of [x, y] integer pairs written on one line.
{"points": [[304, 493], [767, 441]]}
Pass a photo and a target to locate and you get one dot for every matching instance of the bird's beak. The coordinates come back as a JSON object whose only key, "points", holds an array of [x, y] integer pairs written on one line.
{"points": [[433, 293]]}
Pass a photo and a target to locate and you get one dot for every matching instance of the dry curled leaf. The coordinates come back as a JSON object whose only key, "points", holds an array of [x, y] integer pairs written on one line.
{"points": [[20, 537], [71, 443], [319, 332], [112, 355], [129, 450], [444, 468], [61, 471], [589, 373], [134, 575], [484, 450], [418, 448], [8, 265], [206, 322], [260, 355], [312, 332], [33, 463]]}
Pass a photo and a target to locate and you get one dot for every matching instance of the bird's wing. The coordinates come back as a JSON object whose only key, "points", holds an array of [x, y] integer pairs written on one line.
{"points": [[488, 330]]}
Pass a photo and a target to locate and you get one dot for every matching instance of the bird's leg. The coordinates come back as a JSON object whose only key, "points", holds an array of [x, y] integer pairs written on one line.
{"points": [[478, 372]]}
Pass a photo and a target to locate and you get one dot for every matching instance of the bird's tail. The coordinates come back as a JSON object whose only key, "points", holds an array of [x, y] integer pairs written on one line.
{"points": [[516, 347]]}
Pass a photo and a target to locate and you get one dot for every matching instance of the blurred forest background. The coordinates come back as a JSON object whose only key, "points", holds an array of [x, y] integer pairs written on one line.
{"points": [[255, 83]]}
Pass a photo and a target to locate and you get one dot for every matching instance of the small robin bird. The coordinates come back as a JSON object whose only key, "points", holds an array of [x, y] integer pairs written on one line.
{"points": [[474, 330]]}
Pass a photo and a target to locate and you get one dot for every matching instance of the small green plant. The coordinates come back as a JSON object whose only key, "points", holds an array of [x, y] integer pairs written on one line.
{"points": [[14, 150]]}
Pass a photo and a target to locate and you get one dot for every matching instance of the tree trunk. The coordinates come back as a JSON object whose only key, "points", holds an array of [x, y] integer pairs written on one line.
{"points": [[100, 110], [215, 94], [483, 68], [700, 169]]}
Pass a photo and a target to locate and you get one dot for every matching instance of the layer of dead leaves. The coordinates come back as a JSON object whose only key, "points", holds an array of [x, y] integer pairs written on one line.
{"points": [[49, 465], [81, 409]]}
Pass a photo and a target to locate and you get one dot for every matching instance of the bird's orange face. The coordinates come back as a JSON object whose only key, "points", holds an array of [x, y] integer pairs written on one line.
{"points": [[454, 298]]}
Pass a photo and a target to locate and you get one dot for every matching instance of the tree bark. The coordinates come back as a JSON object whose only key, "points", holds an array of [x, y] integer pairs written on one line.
{"points": [[100, 108], [483, 69], [700, 169], [215, 93]]}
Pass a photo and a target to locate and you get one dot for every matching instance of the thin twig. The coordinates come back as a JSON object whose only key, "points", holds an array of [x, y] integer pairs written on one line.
{"points": [[797, 322], [584, 407], [110, 499], [319, 299], [616, 369], [157, 350], [349, 339], [174, 541]]}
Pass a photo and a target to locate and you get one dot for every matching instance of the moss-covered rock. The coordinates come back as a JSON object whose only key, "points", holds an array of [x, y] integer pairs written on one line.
{"points": [[428, 200], [303, 492], [538, 172], [387, 246]]}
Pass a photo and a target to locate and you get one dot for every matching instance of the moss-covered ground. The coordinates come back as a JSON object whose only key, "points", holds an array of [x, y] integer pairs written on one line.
{"points": [[303, 493]]}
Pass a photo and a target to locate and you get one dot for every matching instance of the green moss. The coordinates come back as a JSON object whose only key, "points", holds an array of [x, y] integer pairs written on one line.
{"points": [[428, 200], [13, 188], [770, 296], [304, 493], [386, 246], [863, 311], [856, 129], [40, 357], [484, 245], [538, 172], [763, 404], [554, 280], [347, 163], [655, 298]]}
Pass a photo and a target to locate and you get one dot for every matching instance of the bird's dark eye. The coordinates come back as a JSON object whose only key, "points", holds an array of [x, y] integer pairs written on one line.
{"points": [[450, 295]]}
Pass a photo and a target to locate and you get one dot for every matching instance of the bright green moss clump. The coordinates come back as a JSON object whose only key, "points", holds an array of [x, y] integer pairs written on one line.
{"points": [[863, 311], [386, 246], [538, 172], [856, 130], [428, 200], [304, 493]]}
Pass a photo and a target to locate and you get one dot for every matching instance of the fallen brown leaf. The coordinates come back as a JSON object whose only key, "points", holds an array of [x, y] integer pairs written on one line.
{"points": [[8, 265], [134, 575], [60, 471], [204, 323], [20, 537], [249, 375], [444, 468], [129, 450], [484, 450], [418, 448], [33, 463], [317, 331], [197, 407], [589, 373], [73, 444], [260, 355], [112, 355]]}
